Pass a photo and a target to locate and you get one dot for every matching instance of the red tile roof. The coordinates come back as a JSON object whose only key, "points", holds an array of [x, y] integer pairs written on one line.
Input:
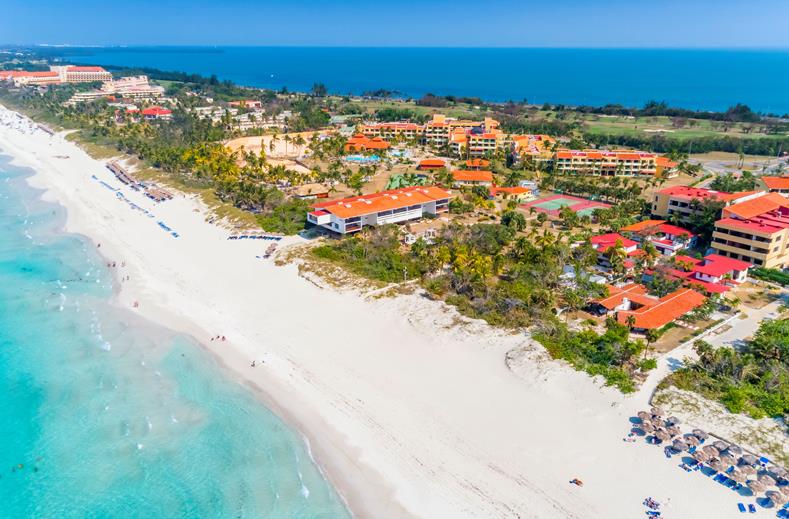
{"points": [[361, 142], [156, 110], [716, 265], [633, 292], [603, 242], [690, 193]]}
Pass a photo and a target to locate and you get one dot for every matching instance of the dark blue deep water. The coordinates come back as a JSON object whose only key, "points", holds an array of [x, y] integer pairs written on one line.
{"points": [[698, 79]]}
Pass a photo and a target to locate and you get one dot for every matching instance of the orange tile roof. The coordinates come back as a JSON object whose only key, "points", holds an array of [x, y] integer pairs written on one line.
{"points": [[634, 292], [640, 226], [383, 201], [477, 163], [85, 69], [509, 190], [472, 176], [366, 143], [757, 206], [665, 162], [666, 310], [776, 182], [432, 163]]}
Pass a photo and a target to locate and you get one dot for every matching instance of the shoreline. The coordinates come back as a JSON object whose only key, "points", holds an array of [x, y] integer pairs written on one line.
{"points": [[424, 407]]}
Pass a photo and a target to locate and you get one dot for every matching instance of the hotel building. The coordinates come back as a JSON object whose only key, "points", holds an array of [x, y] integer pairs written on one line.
{"points": [[605, 163], [679, 200], [393, 131], [349, 215], [756, 231]]}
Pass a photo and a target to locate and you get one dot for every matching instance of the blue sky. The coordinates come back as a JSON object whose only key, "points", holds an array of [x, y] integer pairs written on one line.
{"points": [[486, 23]]}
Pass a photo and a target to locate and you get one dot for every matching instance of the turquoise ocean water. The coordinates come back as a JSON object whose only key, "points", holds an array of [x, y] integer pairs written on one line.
{"points": [[698, 78], [107, 416]]}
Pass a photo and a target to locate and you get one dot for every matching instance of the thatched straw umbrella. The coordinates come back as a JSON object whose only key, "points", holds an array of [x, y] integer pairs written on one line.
{"points": [[784, 490], [738, 476], [777, 472], [647, 427], [700, 456], [658, 411], [674, 431], [691, 440], [709, 450], [643, 415], [755, 486], [735, 449], [747, 470], [776, 497], [767, 480], [716, 465], [673, 420], [728, 457], [749, 459], [662, 435], [679, 445], [701, 435], [720, 445]]}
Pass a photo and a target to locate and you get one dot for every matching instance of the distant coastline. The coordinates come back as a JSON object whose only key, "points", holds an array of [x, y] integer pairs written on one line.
{"points": [[689, 78]]}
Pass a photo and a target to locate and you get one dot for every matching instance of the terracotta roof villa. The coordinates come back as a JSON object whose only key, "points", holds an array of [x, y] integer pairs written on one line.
{"points": [[667, 238], [349, 215], [465, 177], [649, 312], [362, 143], [714, 274]]}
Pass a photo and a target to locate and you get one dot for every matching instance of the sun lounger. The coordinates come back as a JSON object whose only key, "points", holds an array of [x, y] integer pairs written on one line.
{"points": [[741, 507], [751, 508]]}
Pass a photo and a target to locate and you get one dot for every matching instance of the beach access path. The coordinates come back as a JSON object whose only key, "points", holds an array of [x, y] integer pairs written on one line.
{"points": [[409, 412]]}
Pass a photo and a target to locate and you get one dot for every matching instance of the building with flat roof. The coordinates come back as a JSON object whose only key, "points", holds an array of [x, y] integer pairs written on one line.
{"points": [[350, 215], [756, 231], [679, 200]]}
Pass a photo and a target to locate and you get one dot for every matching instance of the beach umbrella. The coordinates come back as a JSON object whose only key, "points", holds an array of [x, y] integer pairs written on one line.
{"points": [[672, 420], [679, 446], [709, 450], [747, 470], [738, 476], [720, 445], [776, 497], [749, 459], [658, 411], [700, 456], [755, 486], [735, 449], [701, 435], [662, 435], [778, 472], [691, 440], [716, 465], [643, 415], [767, 480]]}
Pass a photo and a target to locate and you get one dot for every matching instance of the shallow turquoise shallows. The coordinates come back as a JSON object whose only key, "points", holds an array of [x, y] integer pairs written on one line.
{"points": [[103, 415]]}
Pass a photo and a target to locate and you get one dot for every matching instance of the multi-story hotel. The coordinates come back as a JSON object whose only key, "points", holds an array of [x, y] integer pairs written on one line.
{"points": [[679, 200], [57, 74], [75, 74], [393, 131], [608, 163], [534, 147], [756, 231], [349, 215]]}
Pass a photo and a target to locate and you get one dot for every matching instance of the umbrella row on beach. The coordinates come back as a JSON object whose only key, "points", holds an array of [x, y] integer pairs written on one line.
{"points": [[719, 455]]}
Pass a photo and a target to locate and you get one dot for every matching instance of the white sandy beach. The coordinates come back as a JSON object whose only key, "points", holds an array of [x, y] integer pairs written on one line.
{"points": [[409, 414]]}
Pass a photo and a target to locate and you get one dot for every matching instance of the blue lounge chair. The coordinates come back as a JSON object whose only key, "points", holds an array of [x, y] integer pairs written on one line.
{"points": [[741, 507], [751, 508]]}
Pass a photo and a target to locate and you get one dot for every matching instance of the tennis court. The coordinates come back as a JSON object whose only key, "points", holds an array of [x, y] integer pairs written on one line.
{"points": [[552, 204]]}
